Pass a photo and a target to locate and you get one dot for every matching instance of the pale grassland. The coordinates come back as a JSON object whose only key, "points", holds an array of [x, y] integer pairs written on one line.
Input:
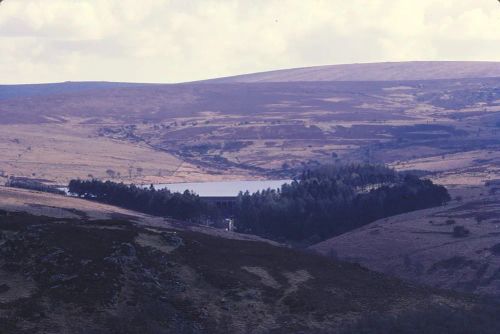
{"points": [[463, 168], [45, 204], [60, 152]]}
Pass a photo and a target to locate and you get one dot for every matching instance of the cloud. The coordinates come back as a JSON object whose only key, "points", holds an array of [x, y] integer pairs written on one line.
{"points": [[181, 40]]}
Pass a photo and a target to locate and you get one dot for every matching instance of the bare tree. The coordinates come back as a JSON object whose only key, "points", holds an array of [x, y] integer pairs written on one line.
{"points": [[111, 173]]}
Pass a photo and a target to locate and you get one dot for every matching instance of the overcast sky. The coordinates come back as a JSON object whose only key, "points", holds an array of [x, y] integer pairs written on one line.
{"points": [[183, 40]]}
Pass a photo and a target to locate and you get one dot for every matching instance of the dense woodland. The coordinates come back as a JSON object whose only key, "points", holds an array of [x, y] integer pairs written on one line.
{"points": [[185, 206], [334, 199], [321, 203]]}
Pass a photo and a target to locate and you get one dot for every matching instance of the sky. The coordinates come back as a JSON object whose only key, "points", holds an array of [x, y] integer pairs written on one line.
{"points": [[184, 40]]}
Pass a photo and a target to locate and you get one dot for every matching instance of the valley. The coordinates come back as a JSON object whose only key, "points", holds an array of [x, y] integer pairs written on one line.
{"points": [[249, 167], [313, 257]]}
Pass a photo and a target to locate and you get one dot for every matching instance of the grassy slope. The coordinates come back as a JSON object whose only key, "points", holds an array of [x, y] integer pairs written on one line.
{"points": [[419, 246]]}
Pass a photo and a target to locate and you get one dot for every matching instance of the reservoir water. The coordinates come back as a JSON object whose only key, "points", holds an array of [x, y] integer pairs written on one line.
{"points": [[222, 188], [216, 188]]}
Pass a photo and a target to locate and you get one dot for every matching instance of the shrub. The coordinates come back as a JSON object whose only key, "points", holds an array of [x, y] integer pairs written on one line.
{"points": [[460, 231]]}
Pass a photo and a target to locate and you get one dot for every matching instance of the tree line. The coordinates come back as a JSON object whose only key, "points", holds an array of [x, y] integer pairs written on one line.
{"points": [[30, 184], [318, 204], [184, 206]]}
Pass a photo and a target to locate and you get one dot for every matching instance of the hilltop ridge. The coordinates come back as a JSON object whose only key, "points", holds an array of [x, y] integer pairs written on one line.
{"points": [[386, 71]]}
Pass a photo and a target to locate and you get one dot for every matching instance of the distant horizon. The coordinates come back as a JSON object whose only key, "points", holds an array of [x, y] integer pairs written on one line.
{"points": [[249, 73]]}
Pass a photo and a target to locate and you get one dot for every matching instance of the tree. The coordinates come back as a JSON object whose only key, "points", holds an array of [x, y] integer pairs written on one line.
{"points": [[111, 173]]}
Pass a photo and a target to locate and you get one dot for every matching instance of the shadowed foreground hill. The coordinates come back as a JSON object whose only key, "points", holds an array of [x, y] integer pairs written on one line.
{"points": [[112, 276]]}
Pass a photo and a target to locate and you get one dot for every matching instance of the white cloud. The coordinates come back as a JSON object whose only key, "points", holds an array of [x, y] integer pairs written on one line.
{"points": [[180, 40]]}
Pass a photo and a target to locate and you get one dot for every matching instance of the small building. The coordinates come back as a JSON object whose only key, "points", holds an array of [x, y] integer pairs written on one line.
{"points": [[221, 202]]}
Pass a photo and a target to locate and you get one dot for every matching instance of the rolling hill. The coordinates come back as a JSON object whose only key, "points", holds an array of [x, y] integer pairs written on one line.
{"points": [[216, 130], [389, 71]]}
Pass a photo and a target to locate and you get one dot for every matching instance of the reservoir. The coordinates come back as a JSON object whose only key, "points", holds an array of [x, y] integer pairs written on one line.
{"points": [[222, 188]]}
